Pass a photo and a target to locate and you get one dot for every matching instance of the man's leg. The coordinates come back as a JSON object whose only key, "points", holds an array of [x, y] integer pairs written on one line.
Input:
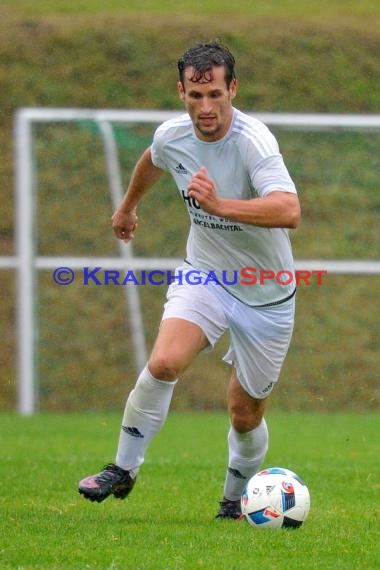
{"points": [[260, 339], [247, 445], [177, 344]]}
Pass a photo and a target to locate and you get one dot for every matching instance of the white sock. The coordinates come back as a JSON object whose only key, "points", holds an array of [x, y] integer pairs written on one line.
{"points": [[246, 454], [145, 412]]}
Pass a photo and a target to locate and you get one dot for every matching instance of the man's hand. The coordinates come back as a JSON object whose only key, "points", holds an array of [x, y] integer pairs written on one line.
{"points": [[124, 224], [203, 190], [278, 209]]}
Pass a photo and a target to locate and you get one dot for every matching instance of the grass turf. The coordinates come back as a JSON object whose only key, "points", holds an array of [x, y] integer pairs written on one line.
{"points": [[350, 9], [168, 521]]}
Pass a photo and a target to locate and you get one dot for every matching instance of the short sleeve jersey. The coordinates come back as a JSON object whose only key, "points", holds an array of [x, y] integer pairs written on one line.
{"points": [[246, 163]]}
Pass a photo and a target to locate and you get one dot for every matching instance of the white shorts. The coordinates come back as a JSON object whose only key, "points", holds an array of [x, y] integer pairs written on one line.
{"points": [[259, 337]]}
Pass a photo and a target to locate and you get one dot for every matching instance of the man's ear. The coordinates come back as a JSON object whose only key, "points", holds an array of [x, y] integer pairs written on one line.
{"points": [[233, 88], [181, 91]]}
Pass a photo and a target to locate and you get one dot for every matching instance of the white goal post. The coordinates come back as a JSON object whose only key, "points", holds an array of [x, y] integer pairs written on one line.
{"points": [[26, 262]]}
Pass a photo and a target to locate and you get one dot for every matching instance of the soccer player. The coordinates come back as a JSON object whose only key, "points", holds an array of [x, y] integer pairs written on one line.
{"points": [[241, 202]]}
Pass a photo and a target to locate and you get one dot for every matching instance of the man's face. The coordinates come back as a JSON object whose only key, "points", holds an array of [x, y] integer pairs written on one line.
{"points": [[209, 103]]}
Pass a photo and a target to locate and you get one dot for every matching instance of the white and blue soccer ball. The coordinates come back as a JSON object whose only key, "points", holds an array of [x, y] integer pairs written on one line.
{"points": [[275, 498]]}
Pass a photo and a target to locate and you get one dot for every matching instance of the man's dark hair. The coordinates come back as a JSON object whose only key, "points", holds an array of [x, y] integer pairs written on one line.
{"points": [[202, 58]]}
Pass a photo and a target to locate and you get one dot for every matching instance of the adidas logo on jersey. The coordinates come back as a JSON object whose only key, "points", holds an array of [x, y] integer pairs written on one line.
{"points": [[181, 169]]}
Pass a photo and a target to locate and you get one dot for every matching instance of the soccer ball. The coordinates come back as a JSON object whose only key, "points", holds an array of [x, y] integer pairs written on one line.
{"points": [[275, 498]]}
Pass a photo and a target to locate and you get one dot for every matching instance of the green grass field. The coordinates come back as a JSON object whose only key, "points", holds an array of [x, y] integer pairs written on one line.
{"points": [[351, 9], [168, 521]]}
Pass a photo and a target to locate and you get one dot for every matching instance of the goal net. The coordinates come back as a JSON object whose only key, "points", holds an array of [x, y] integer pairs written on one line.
{"points": [[81, 344]]}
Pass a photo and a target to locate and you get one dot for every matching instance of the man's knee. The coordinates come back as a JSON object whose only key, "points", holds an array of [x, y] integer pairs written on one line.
{"points": [[244, 418], [177, 344], [246, 412], [164, 367]]}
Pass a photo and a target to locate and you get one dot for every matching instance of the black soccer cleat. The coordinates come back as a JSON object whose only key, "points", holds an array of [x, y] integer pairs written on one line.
{"points": [[230, 510], [113, 480]]}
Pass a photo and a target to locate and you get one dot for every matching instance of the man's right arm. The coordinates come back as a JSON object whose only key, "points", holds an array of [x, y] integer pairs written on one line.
{"points": [[145, 174]]}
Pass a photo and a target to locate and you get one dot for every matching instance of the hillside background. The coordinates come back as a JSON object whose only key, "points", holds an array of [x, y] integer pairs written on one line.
{"points": [[291, 56]]}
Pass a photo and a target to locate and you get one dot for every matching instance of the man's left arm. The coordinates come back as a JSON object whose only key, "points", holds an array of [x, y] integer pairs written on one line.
{"points": [[278, 209]]}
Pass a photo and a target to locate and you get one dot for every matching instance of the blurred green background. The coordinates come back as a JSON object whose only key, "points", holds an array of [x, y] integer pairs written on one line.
{"points": [[291, 56]]}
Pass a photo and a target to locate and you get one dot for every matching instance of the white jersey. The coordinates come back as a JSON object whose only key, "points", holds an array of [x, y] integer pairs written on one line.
{"points": [[244, 164]]}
